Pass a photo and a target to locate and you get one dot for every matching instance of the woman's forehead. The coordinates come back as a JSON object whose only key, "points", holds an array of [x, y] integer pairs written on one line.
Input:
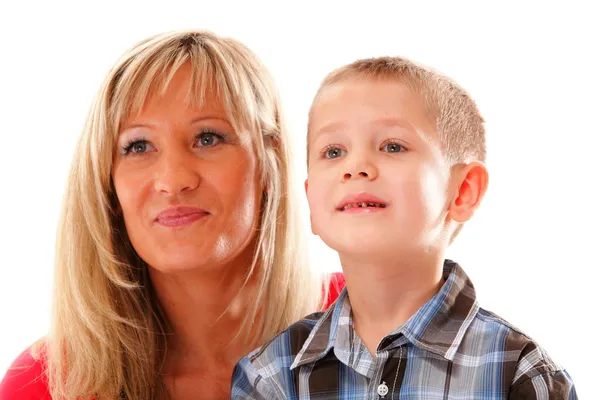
{"points": [[180, 95]]}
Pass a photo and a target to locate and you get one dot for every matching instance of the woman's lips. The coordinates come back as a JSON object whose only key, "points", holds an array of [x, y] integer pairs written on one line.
{"points": [[180, 216]]}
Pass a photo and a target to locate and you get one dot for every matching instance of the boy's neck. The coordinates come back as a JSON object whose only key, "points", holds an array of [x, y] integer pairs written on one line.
{"points": [[385, 293]]}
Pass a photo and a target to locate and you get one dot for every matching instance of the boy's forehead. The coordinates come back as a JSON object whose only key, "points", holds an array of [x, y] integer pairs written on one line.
{"points": [[379, 101]]}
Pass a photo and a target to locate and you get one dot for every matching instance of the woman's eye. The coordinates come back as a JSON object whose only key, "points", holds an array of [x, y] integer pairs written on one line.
{"points": [[393, 148], [208, 139], [334, 152], [137, 146]]}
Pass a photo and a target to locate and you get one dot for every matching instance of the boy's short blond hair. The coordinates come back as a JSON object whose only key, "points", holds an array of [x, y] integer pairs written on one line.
{"points": [[458, 122]]}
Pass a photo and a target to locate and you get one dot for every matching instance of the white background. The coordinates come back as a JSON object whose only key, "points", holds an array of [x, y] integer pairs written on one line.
{"points": [[533, 69]]}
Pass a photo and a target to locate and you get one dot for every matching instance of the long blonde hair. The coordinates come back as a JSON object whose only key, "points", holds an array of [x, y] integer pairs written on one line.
{"points": [[107, 336]]}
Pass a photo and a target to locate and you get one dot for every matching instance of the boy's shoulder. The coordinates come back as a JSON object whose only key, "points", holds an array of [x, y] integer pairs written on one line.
{"points": [[492, 333], [492, 326], [267, 372], [286, 345], [494, 322]]}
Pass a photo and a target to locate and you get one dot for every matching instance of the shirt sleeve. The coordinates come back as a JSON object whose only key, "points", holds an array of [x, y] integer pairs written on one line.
{"points": [[556, 385], [247, 384]]}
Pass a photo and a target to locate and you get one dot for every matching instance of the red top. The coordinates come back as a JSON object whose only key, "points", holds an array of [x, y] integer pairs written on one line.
{"points": [[26, 380]]}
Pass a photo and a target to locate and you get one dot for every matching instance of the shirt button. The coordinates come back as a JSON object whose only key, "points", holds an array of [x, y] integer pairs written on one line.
{"points": [[382, 389]]}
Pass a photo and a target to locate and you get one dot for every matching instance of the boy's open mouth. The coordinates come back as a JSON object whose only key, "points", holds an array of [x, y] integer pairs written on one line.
{"points": [[362, 204], [361, 201]]}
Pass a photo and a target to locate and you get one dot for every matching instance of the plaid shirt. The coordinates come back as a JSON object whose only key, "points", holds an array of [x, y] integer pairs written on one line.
{"points": [[450, 349]]}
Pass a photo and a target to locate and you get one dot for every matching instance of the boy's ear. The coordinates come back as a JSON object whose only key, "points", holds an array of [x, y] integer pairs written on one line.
{"points": [[472, 182], [306, 187]]}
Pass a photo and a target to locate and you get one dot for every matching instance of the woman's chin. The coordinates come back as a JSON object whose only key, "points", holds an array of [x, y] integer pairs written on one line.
{"points": [[180, 258]]}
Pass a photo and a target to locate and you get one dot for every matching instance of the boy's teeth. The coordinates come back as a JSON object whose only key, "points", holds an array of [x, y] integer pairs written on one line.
{"points": [[362, 204]]}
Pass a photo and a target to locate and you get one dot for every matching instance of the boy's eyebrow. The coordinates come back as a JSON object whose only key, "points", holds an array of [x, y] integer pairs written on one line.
{"points": [[381, 122], [396, 122], [404, 125], [331, 127], [328, 129]]}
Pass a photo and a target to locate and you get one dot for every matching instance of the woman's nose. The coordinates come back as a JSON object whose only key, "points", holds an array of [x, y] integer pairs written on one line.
{"points": [[176, 174]]}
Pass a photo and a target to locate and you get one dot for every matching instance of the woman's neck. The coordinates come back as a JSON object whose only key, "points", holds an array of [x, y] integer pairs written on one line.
{"points": [[205, 313]]}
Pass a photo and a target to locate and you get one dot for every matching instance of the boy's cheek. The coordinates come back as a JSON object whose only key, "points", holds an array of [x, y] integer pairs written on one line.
{"points": [[320, 201], [316, 200]]}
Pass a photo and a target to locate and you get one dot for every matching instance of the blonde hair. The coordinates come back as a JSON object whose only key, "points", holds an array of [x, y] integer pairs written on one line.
{"points": [[107, 337], [457, 119]]}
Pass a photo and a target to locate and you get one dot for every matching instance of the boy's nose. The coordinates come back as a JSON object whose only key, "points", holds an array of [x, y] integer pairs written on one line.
{"points": [[365, 171]]}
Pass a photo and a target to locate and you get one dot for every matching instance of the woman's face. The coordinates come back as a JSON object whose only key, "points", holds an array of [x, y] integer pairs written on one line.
{"points": [[187, 183]]}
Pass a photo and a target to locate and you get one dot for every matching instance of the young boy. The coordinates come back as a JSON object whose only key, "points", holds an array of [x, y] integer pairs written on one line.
{"points": [[395, 167]]}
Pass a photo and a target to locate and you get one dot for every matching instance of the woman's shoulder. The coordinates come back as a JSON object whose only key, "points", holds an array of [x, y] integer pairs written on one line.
{"points": [[26, 378], [336, 284]]}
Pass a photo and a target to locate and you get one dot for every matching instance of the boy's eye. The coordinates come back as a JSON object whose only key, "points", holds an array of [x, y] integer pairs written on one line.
{"points": [[208, 139], [334, 152], [393, 147]]}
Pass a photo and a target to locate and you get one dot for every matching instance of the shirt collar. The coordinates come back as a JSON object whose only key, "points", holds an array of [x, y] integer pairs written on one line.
{"points": [[322, 336], [438, 326]]}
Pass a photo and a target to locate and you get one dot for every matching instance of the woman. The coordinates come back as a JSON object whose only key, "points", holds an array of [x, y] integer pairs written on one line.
{"points": [[177, 250]]}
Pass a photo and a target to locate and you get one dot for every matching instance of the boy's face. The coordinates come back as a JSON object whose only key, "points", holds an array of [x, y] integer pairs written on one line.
{"points": [[377, 178]]}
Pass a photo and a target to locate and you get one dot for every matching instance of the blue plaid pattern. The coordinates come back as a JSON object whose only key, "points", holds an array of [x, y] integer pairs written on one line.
{"points": [[450, 349]]}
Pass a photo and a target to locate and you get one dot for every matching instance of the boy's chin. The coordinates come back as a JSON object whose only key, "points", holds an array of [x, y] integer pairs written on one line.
{"points": [[366, 246]]}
